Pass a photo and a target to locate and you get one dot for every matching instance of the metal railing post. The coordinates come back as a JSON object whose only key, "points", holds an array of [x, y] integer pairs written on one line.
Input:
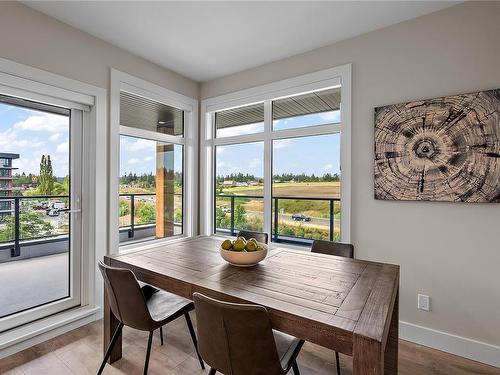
{"points": [[132, 216], [232, 215], [16, 250], [276, 217], [332, 227]]}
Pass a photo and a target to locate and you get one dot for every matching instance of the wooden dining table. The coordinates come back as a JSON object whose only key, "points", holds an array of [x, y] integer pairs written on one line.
{"points": [[347, 305]]}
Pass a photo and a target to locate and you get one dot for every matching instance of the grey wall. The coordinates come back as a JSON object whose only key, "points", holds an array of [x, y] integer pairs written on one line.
{"points": [[448, 251], [33, 38]]}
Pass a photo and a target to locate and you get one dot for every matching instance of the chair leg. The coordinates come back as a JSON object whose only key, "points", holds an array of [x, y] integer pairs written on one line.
{"points": [[295, 367], [116, 334], [193, 337], [148, 353], [161, 335], [337, 359], [212, 371]]}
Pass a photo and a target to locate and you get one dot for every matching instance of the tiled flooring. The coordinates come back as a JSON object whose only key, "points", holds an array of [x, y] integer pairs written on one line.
{"points": [[80, 352]]}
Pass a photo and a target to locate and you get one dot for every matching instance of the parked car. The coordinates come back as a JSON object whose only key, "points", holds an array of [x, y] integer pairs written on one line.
{"points": [[300, 217], [53, 212]]}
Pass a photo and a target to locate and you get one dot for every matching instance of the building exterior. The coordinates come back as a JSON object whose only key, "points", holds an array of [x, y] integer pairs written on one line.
{"points": [[6, 182]]}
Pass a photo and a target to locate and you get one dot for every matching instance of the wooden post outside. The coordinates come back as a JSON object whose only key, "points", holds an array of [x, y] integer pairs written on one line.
{"points": [[164, 190]]}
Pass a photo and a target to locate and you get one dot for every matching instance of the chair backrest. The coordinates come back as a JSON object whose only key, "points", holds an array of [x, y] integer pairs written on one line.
{"points": [[339, 249], [259, 236], [236, 339], [126, 298]]}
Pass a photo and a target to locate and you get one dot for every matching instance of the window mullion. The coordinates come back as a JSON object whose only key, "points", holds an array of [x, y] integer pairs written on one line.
{"points": [[267, 166]]}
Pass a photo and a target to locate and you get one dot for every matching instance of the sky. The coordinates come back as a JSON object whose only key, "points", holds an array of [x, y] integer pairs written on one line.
{"points": [[316, 155], [32, 134], [139, 156]]}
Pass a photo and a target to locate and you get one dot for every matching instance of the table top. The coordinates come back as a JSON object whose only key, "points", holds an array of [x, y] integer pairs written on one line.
{"points": [[321, 298]]}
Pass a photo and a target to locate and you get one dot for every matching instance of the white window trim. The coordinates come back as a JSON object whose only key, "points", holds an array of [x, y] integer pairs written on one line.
{"points": [[337, 76], [126, 82], [94, 214]]}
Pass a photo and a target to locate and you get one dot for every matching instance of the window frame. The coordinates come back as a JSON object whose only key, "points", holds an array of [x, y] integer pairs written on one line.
{"points": [[320, 80], [121, 81]]}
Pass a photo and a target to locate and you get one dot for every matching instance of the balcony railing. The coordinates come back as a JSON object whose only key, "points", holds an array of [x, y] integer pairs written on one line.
{"points": [[285, 219], [52, 205], [132, 227]]}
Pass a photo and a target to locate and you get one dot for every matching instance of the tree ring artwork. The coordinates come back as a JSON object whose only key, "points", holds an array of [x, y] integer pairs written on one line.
{"points": [[443, 149]]}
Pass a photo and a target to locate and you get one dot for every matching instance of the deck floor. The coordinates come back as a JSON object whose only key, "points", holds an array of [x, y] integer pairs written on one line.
{"points": [[31, 282]]}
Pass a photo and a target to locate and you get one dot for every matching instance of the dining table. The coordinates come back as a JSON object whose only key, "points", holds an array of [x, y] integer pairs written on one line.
{"points": [[347, 305]]}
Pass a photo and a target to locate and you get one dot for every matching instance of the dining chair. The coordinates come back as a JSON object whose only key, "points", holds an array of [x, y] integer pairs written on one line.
{"points": [[259, 236], [237, 339], [339, 249], [145, 309]]}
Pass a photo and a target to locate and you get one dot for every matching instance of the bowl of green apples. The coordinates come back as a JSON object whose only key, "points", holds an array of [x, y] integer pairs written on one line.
{"points": [[242, 252]]}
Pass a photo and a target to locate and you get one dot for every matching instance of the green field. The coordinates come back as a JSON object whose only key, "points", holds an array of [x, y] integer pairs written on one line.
{"points": [[249, 212]]}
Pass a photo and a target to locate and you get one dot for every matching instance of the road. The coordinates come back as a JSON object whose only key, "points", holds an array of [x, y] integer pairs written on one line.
{"points": [[287, 218]]}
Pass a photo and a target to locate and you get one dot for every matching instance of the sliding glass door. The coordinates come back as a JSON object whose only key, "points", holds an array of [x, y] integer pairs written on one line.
{"points": [[40, 207]]}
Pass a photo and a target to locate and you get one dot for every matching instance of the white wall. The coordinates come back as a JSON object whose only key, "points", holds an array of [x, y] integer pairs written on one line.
{"points": [[448, 251], [33, 38]]}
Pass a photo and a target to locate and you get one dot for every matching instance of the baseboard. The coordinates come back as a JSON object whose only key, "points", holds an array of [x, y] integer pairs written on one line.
{"points": [[461, 346], [29, 335]]}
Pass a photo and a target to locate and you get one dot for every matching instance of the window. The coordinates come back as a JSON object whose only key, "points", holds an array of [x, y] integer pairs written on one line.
{"points": [[151, 180], [240, 121], [239, 185], [306, 188], [281, 165], [311, 109], [151, 171], [154, 159]]}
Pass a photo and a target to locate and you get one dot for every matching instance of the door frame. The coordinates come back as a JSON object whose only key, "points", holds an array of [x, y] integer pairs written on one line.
{"points": [[94, 198]]}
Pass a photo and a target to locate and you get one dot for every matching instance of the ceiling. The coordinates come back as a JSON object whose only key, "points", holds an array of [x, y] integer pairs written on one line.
{"points": [[207, 40]]}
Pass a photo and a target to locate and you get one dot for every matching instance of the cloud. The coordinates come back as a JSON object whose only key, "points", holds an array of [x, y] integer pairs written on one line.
{"points": [[220, 150], [333, 116], [63, 148], [137, 144], [55, 137], [255, 163], [328, 166], [133, 161], [282, 143], [148, 158], [46, 122], [240, 130], [220, 164]]}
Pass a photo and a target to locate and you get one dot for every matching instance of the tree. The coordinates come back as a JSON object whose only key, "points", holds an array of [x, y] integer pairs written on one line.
{"points": [[240, 220], [32, 225], [145, 212], [46, 179]]}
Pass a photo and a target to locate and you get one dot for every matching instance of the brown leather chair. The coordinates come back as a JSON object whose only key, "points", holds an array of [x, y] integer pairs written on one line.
{"points": [[237, 339], [259, 236], [145, 309], [339, 249]]}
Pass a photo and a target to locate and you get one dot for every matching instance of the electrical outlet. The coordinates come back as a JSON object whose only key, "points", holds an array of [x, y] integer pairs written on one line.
{"points": [[423, 302]]}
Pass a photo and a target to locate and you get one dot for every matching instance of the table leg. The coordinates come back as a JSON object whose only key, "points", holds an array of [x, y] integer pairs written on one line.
{"points": [[110, 324], [370, 356], [391, 348]]}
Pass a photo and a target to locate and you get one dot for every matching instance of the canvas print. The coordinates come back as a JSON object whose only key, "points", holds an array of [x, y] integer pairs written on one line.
{"points": [[441, 149]]}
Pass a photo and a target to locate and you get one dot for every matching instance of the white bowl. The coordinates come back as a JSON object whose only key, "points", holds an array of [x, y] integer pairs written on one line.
{"points": [[244, 258]]}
